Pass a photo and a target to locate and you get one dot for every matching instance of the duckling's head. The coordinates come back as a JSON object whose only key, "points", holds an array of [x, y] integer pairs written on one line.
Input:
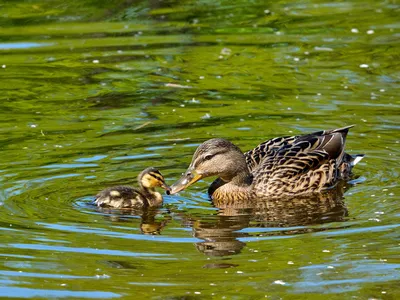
{"points": [[151, 178], [215, 157]]}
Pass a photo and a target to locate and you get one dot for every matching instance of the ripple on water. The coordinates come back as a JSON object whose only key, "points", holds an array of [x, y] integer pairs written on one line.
{"points": [[365, 271], [121, 235], [19, 292], [23, 45], [90, 159], [43, 275], [69, 166], [358, 230], [121, 253], [137, 156]]}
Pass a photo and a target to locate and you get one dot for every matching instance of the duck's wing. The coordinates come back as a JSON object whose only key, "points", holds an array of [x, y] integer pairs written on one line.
{"points": [[309, 163], [330, 141], [266, 150]]}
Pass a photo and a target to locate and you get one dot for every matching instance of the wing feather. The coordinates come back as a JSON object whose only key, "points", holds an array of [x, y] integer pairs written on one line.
{"points": [[299, 163]]}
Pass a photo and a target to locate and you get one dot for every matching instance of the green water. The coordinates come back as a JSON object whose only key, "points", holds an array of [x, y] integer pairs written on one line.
{"points": [[93, 92]]}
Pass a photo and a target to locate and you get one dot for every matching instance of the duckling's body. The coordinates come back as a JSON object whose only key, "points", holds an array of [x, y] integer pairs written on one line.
{"points": [[129, 197], [284, 166]]}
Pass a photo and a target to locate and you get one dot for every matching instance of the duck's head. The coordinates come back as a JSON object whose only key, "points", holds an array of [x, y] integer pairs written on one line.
{"points": [[151, 178], [215, 157]]}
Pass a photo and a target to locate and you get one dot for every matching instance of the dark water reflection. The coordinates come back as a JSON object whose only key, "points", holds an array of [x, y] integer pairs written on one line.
{"points": [[226, 232], [148, 225], [224, 235]]}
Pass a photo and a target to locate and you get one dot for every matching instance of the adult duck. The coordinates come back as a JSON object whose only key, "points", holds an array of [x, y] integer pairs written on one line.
{"points": [[279, 167]]}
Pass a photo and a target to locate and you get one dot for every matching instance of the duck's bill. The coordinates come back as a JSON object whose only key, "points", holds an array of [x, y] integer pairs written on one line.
{"points": [[166, 187], [187, 179]]}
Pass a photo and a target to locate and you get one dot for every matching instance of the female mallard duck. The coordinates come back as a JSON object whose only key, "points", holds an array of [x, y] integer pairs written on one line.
{"points": [[128, 197], [283, 166]]}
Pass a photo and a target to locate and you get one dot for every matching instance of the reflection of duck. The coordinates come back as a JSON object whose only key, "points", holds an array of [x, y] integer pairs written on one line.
{"points": [[327, 206], [283, 166], [223, 235], [128, 197], [220, 235]]}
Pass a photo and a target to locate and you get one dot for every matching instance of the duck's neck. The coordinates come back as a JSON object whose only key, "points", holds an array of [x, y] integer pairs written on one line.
{"points": [[241, 179], [234, 189], [154, 198]]}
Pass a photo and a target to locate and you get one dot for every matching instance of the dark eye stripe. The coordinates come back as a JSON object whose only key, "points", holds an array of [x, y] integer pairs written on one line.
{"points": [[157, 176], [211, 155]]}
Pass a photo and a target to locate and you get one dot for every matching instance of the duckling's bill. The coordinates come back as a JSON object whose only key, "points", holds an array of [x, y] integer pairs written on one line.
{"points": [[187, 179], [166, 187]]}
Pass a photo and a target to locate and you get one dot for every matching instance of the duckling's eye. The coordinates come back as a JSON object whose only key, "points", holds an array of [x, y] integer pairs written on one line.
{"points": [[208, 157]]}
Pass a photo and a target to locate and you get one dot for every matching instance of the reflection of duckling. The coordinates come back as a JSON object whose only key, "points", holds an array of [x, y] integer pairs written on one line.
{"points": [[150, 224], [128, 197]]}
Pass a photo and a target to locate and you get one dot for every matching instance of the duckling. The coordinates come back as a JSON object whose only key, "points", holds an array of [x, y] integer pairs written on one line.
{"points": [[128, 197], [279, 167]]}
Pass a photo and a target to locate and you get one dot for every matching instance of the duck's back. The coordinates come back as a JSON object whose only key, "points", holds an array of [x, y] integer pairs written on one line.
{"points": [[300, 164], [120, 197], [266, 150]]}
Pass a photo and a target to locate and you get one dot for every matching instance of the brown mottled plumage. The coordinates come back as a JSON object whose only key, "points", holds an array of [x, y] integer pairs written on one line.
{"points": [[284, 166], [128, 197]]}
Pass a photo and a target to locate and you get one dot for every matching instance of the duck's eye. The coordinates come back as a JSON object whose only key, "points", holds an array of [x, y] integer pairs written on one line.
{"points": [[208, 157]]}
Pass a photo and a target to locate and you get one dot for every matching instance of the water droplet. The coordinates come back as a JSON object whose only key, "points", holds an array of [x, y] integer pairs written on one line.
{"points": [[374, 219], [226, 51]]}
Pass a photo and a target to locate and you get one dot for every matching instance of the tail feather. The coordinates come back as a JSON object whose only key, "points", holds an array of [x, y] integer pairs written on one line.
{"points": [[343, 129], [355, 159], [347, 164]]}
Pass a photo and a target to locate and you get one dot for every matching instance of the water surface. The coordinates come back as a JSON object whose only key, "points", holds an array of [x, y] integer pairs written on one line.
{"points": [[93, 92]]}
